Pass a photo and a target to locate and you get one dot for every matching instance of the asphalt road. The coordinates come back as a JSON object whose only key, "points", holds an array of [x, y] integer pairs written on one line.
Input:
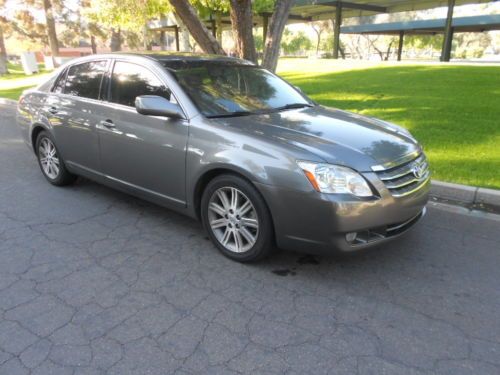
{"points": [[93, 281]]}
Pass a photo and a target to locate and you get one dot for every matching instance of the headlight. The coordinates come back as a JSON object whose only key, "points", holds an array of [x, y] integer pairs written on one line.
{"points": [[334, 179]]}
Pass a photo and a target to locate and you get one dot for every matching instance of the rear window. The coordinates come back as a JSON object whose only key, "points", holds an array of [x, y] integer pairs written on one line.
{"points": [[85, 79]]}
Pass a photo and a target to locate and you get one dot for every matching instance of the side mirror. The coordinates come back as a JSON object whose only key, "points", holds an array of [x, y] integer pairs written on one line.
{"points": [[153, 105]]}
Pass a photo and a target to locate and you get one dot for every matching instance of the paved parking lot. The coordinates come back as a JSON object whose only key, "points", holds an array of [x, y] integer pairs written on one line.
{"points": [[93, 281]]}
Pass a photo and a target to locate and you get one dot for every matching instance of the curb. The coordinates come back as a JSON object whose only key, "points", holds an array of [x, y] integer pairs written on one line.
{"points": [[6, 101], [468, 195]]}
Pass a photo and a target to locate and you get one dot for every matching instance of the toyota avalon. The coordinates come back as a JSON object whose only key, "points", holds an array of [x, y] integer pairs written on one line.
{"points": [[229, 143]]}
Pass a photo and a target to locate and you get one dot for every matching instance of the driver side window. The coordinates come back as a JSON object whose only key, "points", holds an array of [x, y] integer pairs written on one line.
{"points": [[130, 80]]}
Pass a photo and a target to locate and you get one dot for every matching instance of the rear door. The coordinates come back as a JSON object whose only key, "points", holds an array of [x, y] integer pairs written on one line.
{"points": [[147, 153], [76, 107]]}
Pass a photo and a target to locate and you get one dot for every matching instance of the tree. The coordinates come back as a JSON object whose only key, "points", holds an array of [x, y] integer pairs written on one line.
{"points": [[320, 27], [186, 12], [275, 32], [208, 8], [126, 18], [471, 45], [3, 52], [242, 24], [389, 41], [293, 43], [51, 28], [24, 22]]}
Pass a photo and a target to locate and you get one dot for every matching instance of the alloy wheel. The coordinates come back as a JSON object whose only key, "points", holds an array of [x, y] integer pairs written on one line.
{"points": [[49, 159], [233, 219]]}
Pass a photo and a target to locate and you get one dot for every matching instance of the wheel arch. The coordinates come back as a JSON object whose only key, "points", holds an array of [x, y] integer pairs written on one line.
{"points": [[209, 175], [36, 129]]}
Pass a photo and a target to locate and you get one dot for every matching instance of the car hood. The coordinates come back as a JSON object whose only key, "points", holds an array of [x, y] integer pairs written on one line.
{"points": [[336, 136]]}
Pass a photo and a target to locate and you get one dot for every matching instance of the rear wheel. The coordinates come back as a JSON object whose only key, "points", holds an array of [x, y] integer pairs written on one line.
{"points": [[50, 161], [237, 219]]}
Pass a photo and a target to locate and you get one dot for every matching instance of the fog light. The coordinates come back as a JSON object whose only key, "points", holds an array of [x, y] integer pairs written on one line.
{"points": [[350, 237]]}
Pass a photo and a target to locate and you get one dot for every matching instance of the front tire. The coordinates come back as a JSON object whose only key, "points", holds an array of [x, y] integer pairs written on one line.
{"points": [[51, 162], [237, 219]]}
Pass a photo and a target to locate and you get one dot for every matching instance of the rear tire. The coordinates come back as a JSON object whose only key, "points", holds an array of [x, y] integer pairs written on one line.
{"points": [[51, 162], [237, 219]]}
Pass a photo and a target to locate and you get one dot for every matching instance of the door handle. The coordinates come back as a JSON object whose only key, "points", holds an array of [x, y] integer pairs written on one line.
{"points": [[108, 124], [53, 110]]}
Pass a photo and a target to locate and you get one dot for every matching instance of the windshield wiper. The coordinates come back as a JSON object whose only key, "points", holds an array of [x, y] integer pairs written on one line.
{"points": [[293, 105], [234, 114]]}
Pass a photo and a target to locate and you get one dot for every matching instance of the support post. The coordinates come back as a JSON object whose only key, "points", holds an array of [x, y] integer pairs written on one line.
{"points": [[336, 29], [176, 30], [265, 23], [448, 33], [401, 42], [213, 26], [162, 40]]}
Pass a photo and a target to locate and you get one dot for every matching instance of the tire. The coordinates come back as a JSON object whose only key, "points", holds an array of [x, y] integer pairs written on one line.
{"points": [[242, 232], [50, 161]]}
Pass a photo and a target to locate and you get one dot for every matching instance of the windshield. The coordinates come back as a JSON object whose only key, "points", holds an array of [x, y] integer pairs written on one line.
{"points": [[221, 89]]}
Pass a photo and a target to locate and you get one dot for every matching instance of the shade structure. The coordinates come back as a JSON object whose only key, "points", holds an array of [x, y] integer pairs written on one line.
{"points": [[337, 10], [459, 24]]}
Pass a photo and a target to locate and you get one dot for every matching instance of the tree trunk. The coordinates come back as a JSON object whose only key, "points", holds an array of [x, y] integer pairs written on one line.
{"points": [[274, 34], [198, 30], [116, 40], [93, 45], [318, 42], [388, 53], [3, 55], [51, 28], [242, 25], [318, 37]]}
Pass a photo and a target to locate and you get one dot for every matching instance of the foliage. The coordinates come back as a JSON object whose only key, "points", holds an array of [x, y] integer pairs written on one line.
{"points": [[262, 6], [126, 14], [421, 42], [207, 8], [293, 43], [471, 45]]}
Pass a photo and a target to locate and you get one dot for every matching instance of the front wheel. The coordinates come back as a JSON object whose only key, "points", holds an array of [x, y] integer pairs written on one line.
{"points": [[50, 161], [237, 219]]}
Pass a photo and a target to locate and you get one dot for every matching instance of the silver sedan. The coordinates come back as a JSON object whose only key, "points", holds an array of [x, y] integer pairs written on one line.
{"points": [[227, 142]]}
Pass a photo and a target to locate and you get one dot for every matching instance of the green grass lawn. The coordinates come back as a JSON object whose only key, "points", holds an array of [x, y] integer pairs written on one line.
{"points": [[453, 110], [14, 83]]}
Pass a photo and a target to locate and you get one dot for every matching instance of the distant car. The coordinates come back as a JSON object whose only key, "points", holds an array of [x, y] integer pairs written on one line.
{"points": [[225, 141]]}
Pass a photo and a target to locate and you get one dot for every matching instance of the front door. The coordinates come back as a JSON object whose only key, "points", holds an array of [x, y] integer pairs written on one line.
{"points": [[147, 153]]}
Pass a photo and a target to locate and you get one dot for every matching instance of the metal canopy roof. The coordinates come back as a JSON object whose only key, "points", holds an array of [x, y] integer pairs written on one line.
{"points": [[314, 10], [324, 9], [460, 24]]}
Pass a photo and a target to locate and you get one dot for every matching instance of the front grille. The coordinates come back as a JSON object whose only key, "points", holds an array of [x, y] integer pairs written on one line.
{"points": [[406, 178]]}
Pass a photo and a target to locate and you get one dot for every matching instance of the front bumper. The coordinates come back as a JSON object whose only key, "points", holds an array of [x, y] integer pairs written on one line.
{"points": [[318, 223]]}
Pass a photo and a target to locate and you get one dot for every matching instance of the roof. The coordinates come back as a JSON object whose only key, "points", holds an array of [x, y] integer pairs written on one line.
{"points": [[315, 10], [460, 24], [324, 9], [164, 56]]}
